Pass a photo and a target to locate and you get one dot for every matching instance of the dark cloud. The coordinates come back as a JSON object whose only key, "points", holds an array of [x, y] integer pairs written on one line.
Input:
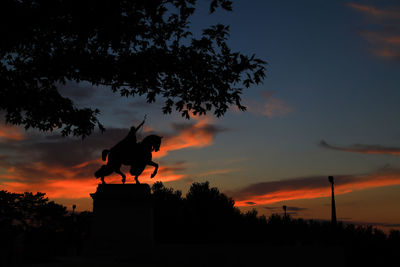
{"points": [[250, 203], [271, 208], [142, 103], [274, 186], [55, 150], [124, 114], [364, 149], [208, 128], [39, 158], [295, 208], [126, 109], [29, 172], [78, 91]]}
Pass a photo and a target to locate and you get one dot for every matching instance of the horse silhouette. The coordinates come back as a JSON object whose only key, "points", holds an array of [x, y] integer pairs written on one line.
{"points": [[138, 156]]}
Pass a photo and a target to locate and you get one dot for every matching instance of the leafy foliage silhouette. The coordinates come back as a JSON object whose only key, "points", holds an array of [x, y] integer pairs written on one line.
{"points": [[134, 47]]}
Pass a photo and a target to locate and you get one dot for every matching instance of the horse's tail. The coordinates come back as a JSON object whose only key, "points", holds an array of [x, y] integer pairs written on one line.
{"points": [[100, 172], [104, 154], [104, 170]]}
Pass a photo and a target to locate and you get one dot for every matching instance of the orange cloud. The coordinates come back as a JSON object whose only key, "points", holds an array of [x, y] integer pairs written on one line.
{"points": [[375, 12], [270, 106], [69, 183], [56, 189], [198, 135], [10, 133], [387, 53], [309, 188], [384, 44], [274, 107], [392, 40], [384, 36]]}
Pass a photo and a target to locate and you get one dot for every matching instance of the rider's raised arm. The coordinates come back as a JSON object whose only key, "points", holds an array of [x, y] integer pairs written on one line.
{"points": [[135, 129], [140, 125]]}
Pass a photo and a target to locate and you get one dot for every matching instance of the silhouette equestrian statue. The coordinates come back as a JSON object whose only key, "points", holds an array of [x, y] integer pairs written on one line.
{"points": [[131, 153]]}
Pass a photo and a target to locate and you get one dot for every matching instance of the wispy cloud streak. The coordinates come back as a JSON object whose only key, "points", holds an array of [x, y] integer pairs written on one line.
{"points": [[373, 11], [364, 149], [382, 31], [8, 132]]}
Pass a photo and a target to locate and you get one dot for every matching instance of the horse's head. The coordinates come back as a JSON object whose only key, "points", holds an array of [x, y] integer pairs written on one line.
{"points": [[154, 141], [157, 143]]}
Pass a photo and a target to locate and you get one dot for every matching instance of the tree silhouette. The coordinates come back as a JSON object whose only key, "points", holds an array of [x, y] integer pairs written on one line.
{"points": [[211, 213], [33, 222], [30, 210], [134, 47], [168, 213]]}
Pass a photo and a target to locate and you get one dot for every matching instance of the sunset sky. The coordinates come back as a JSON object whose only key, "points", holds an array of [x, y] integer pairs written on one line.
{"points": [[328, 106]]}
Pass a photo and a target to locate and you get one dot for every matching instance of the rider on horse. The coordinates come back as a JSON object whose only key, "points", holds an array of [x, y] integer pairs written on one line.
{"points": [[127, 145], [128, 152]]}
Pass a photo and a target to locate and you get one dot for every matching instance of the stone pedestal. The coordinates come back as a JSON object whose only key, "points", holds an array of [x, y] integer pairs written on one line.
{"points": [[123, 216]]}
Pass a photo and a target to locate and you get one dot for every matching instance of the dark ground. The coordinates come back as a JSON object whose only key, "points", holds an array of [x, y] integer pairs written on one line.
{"points": [[211, 255]]}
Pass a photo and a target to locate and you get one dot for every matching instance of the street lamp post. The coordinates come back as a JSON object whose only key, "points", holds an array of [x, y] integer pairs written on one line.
{"points": [[333, 218]]}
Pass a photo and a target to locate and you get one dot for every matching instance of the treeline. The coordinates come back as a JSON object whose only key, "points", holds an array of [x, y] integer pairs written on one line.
{"points": [[34, 228], [207, 215]]}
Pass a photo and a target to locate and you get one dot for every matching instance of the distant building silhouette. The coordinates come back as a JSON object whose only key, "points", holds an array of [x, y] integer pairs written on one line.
{"points": [[333, 217], [284, 210]]}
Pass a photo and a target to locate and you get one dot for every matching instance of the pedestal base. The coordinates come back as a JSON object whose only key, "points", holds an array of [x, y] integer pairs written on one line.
{"points": [[122, 216]]}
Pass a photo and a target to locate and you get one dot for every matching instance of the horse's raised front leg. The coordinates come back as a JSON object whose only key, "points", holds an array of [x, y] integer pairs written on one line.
{"points": [[152, 163], [122, 174]]}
